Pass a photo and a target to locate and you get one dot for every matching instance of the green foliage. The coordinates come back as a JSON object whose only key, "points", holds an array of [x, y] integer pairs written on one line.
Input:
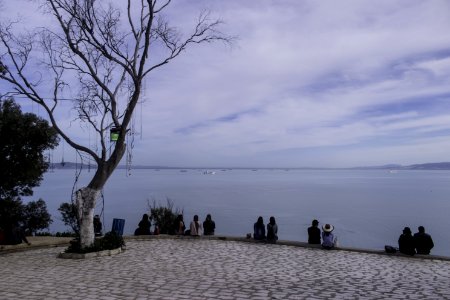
{"points": [[111, 240], [36, 216], [164, 216], [24, 138], [70, 216], [57, 234], [33, 216], [43, 233], [11, 212], [65, 234]]}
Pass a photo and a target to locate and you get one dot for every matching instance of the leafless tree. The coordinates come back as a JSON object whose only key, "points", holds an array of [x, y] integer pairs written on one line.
{"points": [[101, 54]]}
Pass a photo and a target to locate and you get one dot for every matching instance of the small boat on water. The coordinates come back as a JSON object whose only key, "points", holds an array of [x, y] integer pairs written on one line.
{"points": [[207, 172]]}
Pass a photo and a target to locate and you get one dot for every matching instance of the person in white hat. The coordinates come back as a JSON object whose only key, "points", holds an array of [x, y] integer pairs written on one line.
{"points": [[328, 238]]}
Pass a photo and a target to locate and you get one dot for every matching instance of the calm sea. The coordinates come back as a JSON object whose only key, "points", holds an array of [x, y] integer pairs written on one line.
{"points": [[368, 208]]}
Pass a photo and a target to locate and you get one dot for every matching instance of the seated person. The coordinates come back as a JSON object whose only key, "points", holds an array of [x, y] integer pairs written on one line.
{"points": [[143, 227], [14, 235], [406, 242], [209, 225], [272, 231], [97, 226], [178, 226], [259, 230], [314, 233], [423, 241], [328, 238], [196, 227]]}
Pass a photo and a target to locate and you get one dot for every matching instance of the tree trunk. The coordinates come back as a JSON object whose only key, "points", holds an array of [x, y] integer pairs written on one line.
{"points": [[86, 198]]}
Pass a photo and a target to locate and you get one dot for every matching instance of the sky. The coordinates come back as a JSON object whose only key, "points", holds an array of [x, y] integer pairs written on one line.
{"points": [[304, 84]]}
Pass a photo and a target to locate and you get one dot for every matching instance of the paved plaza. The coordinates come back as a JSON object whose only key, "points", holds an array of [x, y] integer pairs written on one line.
{"points": [[190, 268]]}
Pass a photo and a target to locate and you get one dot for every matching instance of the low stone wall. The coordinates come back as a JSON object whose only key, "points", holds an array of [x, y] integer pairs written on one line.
{"points": [[40, 242], [37, 242], [287, 243]]}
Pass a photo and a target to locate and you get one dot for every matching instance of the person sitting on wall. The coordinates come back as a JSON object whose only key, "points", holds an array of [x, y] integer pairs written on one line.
{"points": [[209, 225], [314, 233], [14, 235], [423, 241], [178, 226], [97, 226], [272, 231], [328, 238], [406, 242], [144, 226], [259, 230], [196, 227]]}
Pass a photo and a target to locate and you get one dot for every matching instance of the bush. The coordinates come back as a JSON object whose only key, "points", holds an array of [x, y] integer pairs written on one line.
{"points": [[65, 234], [36, 216], [69, 216], [164, 216], [57, 234], [33, 216], [11, 212], [43, 234], [111, 240]]}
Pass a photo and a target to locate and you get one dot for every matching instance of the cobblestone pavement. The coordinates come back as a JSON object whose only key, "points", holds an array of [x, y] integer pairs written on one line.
{"points": [[214, 269]]}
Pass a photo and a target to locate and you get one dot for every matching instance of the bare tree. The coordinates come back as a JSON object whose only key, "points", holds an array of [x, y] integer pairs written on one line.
{"points": [[103, 53]]}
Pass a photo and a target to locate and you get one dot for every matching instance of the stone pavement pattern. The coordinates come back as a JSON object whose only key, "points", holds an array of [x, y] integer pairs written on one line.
{"points": [[214, 269]]}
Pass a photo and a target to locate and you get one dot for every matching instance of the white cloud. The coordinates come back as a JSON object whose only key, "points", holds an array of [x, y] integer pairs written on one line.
{"points": [[341, 82]]}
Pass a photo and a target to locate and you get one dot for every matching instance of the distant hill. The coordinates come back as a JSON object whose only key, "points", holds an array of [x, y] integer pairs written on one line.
{"points": [[426, 166], [429, 166], [383, 167], [71, 165]]}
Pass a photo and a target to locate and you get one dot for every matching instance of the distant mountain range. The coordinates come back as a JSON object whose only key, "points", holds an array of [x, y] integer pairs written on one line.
{"points": [[426, 166]]}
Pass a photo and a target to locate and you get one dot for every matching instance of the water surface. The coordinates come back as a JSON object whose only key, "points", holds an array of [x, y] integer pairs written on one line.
{"points": [[368, 208]]}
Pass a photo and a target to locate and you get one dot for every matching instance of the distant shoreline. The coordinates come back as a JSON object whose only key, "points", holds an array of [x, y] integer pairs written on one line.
{"points": [[425, 166]]}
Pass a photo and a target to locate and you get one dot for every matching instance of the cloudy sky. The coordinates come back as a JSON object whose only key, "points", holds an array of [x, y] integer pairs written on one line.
{"points": [[307, 83]]}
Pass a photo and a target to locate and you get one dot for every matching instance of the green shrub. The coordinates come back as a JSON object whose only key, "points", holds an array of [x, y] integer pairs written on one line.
{"points": [[57, 234], [36, 216], [43, 233], [164, 216], [111, 240], [11, 212], [66, 234], [32, 216], [69, 216]]}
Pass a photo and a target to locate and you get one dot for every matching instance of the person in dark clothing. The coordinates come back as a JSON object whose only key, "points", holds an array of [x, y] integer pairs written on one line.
{"points": [[209, 226], [259, 230], [97, 226], [14, 235], [314, 233], [423, 241], [144, 226], [406, 242], [178, 226], [272, 231]]}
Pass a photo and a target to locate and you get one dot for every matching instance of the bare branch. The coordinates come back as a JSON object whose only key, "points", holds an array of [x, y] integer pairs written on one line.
{"points": [[90, 59]]}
